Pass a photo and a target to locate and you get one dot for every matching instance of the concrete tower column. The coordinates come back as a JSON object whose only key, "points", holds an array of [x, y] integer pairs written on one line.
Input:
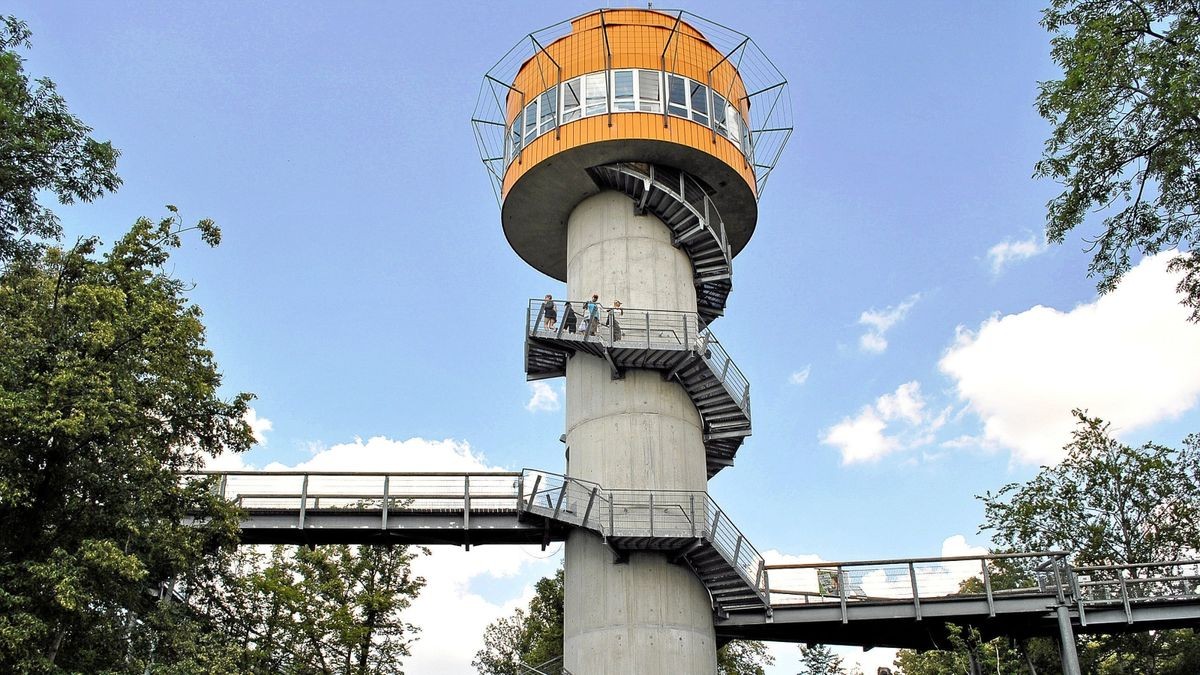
{"points": [[645, 615]]}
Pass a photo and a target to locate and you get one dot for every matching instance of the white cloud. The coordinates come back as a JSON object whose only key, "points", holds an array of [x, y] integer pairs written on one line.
{"points": [[879, 322], [931, 579], [1009, 251], [906, 403], [1129, 357], [259, 426], [800, 376], [861, 439], [451, 615], [542, 397], [865, 437]]}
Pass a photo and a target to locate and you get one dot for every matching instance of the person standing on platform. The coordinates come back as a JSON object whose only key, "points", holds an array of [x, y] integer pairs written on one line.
{"points": [[611, 321], [592, 310], [569, 317], [549, 313]]}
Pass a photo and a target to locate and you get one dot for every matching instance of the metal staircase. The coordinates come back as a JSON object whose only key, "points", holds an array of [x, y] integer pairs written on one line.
{"points": [[687, 524], [683, 204], [677, 344]]}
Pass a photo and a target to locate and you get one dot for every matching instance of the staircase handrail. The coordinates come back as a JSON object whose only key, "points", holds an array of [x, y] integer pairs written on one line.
{"points": [[654, 328], [570, 497], [687, 191]]}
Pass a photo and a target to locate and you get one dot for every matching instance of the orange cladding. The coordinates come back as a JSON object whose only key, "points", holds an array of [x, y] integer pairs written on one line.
{"points": [[635, 39]]}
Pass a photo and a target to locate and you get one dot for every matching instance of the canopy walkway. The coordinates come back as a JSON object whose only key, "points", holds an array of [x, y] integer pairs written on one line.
{"points": [[883, 603]]}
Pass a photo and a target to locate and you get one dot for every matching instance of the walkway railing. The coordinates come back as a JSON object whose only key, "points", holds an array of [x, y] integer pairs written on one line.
{"points": [[646, 329], [1129, 585], [304, 491], [911, 581], [992, 576], [654, 514]]}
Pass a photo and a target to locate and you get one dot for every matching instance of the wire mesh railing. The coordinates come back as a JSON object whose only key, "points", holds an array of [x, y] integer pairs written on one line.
{"points": [[656, 514], [625, 328], [914, 580], [304, 491], [1126, 586]]}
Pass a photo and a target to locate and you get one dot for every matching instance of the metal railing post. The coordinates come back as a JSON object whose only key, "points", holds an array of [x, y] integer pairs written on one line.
{"points": [[1125, 596], [386, 499], [687, 342], [987, 588], [912, 576], [651, 514], [223, 484], [647, 330], [712, 536], [466, 503], [303, 500], [612, 507], [842, 593], [692, 516], [562, 492], [588, 511], [521, 492], [737, 551], [533, 492], [767, 587]]}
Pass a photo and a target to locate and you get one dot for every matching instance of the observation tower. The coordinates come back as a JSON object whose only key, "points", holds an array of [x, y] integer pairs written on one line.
{"points": [[628, 149]]}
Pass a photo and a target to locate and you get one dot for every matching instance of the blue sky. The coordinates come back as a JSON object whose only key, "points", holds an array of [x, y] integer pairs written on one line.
{"points": [[909, 341]]}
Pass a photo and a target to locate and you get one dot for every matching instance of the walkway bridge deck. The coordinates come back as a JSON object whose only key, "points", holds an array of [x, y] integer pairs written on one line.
{"points": [[677, 344], [887, 603], [466, 509], [462, 509], [908, 603]]}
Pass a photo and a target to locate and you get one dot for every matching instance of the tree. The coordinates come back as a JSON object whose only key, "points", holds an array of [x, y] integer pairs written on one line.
{"points": [[43, 147], [528, 637], [330, 609], [820, 660], [1108, 503], [1105, 503], [107, 394], [535, 636], [743, 657], [1126, 136]]}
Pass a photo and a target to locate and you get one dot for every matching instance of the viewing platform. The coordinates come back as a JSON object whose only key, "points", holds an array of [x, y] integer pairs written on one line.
{"points": [[677, 344]]}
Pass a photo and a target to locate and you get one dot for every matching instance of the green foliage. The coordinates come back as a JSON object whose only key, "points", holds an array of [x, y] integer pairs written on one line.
{"points": [[1126, 137], [970, 654], [42, 147], [743, 657], [1105, 503], [535, 636], [528, 637], [107, 392], [820, 660], [331, 609]]}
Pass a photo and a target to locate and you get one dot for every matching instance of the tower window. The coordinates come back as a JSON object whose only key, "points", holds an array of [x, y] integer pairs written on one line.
{"points": [[649, 91], [677, 96], [571, 96]]}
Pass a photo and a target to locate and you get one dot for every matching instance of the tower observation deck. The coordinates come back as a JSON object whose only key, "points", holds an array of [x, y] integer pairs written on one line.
{"points": [[628, 149]]}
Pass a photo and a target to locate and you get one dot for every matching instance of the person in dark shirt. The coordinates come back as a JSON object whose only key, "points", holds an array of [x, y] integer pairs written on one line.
{"points": [[549, 314]]}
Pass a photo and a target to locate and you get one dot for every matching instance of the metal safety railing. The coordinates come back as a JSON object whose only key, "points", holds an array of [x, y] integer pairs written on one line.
{"points": [[654, 514], [305, 491], [1097, 586], [630, 328], [914, 580]]}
